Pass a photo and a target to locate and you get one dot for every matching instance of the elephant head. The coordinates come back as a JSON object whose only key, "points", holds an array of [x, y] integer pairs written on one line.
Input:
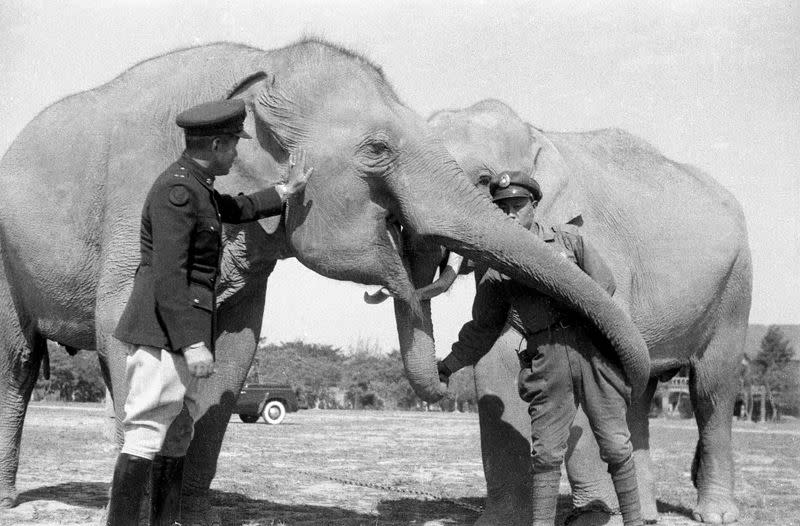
{"points": [[386, 194], [488, 139]]}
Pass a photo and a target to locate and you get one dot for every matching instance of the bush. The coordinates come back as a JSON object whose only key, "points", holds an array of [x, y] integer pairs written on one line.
{"points": [[72, 378]]}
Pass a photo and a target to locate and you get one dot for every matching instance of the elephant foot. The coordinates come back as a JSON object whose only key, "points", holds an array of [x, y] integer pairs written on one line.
{"points": [[196, 511], [593, 514], [8, 497], [716, 509]]}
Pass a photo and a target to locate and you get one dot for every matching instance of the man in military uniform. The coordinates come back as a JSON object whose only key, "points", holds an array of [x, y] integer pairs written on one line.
{"points": [[561, 364], [169, 321]]}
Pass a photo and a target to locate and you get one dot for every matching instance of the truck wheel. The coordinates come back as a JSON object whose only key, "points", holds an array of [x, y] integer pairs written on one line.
{"points": [[249, 419], [274, 412]]}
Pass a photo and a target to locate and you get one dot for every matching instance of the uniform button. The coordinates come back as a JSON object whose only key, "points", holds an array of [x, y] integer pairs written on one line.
{"points": [[208, 181], [196, 300], [212, 229]]}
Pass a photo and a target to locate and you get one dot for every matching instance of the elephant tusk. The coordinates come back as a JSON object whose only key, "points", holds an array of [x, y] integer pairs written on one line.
{"points": [[379, 296], [447, 276]]}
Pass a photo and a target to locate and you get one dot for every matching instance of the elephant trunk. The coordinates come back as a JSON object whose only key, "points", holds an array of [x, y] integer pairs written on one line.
{"points": [[461, 218]]}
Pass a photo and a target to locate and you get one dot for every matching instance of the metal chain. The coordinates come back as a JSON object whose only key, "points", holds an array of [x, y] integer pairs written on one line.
{"points": [[387, 487]]}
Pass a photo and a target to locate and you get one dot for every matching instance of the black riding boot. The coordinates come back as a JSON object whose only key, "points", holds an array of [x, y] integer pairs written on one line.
{"points": [[127, 488], [624, 477], [544, 497], [165, 499]]}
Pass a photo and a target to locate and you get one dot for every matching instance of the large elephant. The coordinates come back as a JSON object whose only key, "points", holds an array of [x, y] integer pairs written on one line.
{"points": [[677, 243], [75, 178]]}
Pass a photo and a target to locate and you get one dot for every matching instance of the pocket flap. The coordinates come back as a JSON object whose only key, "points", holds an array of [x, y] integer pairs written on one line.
{"points": [[201, 297]]}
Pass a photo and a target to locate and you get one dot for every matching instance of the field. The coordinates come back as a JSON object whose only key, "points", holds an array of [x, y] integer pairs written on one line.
{"points": [[349, 468]]}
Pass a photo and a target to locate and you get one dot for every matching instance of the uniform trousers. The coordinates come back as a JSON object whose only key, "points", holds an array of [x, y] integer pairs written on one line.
{"points": [[159, 385], [560, 368]]}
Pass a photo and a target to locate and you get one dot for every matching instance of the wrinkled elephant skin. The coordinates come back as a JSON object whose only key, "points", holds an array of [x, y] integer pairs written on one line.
{"points": [[380, 178], [677, 243]]}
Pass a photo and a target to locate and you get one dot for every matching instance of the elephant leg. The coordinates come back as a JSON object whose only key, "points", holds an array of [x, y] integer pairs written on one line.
{"points": [[713, 386], [239, 322], [505, 436], [639, 427], [21, 355], [111, 352]]}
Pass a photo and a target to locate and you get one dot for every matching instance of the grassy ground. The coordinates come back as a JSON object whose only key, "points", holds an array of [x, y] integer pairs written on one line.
{"points": [[350, 468]]}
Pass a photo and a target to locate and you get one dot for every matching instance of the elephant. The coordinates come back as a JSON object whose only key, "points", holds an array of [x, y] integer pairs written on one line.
{"points": [[677, 243], [376, 211]]}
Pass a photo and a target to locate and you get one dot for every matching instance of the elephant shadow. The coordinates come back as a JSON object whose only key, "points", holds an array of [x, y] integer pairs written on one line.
{"points": [[83, 494], [677, 509], [237, 509]]}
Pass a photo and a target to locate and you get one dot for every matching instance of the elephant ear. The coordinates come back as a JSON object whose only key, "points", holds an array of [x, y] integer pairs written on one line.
{"points": [[279, 114], [563, 201], [268, 150]]}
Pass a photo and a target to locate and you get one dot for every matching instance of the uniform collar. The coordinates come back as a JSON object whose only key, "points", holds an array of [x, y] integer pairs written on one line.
{"points": [[200, 173], [545, 234]]}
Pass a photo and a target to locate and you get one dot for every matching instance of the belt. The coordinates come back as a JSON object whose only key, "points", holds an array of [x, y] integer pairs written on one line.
{"points": [[560, 324], [556, 325], [524, 353]]}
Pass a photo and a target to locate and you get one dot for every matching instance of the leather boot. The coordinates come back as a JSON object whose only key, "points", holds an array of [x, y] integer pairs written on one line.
{"points": [[544, 497], [127, 488], [165, 499], [623, 475]]}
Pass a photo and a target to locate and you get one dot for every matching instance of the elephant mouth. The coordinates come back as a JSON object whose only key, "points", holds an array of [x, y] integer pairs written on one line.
{"points": [[448, 268], [394, 231]]}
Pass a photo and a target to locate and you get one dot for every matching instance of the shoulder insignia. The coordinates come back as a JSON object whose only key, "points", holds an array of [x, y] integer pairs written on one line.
{"points": [[178, 195]]}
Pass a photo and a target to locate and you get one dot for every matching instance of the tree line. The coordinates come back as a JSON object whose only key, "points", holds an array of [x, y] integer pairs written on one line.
{"points": [[366, 377], [361, 377], [775, 371]]}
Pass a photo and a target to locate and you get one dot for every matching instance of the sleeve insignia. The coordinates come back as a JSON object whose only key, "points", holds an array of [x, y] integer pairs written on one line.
{"points": [[178, 195]]}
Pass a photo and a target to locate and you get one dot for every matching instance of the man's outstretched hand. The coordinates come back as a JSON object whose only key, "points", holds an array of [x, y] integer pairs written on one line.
{"points": [[297, 176]]}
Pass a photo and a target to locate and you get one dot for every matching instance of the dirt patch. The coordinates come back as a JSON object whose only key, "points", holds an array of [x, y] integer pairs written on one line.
{"points": [[352, 468]]}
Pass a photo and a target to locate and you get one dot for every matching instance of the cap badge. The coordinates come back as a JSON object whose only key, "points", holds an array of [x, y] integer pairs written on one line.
{"points": [[505, 180]]}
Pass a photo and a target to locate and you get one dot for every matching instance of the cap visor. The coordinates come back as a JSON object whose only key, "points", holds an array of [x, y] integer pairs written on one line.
{"points": [[512, 191]]}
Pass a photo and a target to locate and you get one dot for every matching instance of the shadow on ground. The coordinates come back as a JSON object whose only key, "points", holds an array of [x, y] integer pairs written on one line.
{"points": [[237, 509], [676, 509], [83, 494]]}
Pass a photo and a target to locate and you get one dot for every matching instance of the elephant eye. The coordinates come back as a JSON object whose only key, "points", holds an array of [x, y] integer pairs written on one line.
{"points": [[376, 154], [378, 147], [484, 179]]}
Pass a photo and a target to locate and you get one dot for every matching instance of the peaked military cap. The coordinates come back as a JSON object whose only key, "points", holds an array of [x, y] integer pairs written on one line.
{"points": [[515, 184], [214, 118]]}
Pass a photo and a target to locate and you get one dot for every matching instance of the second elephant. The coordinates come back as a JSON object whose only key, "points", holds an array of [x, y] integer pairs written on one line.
{"points": [[677, 243]]}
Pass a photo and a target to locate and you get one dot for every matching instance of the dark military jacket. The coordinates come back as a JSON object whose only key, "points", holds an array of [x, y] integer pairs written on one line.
{"points": [[500, 300], [173, 302]]}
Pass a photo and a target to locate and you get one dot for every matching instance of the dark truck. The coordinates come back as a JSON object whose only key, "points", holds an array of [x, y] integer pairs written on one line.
{"points": [[272, 401]]}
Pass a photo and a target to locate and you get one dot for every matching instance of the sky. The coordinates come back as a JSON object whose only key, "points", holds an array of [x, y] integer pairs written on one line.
{"points": [[713, 84]]}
